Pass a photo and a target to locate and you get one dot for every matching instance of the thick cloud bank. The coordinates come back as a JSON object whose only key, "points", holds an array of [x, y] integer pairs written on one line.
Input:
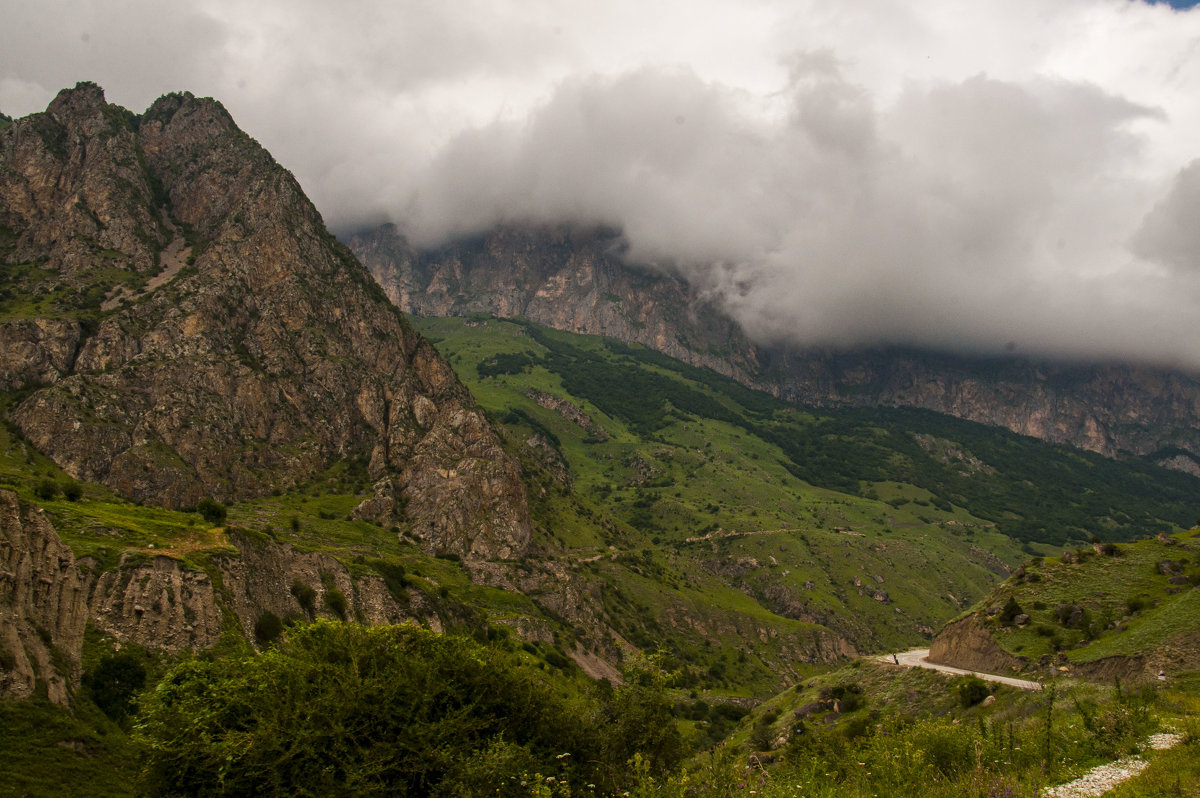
{"points": [[1016, 174]]}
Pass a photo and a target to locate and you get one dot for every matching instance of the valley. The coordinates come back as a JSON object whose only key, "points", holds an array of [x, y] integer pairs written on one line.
{"points": [[260, 532]]}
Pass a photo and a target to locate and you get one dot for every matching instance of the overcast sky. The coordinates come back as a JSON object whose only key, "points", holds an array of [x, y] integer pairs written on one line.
{"points": [[988, 174]]}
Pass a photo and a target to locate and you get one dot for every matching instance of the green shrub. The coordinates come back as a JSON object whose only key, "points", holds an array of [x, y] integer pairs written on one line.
{"points": [[47, 490], [267, 628], [344, 709], [971, 690], [1010, 611], [335, 600], [305, 596], [211, 511], [72, 491], [114, 682]]}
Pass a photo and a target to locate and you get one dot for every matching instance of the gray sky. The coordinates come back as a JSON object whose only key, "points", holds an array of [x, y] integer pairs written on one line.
{"points": [[980, 175]]}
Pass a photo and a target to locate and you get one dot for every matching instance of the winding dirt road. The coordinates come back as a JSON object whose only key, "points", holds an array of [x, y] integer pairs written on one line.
{"points": [[917, 658]]}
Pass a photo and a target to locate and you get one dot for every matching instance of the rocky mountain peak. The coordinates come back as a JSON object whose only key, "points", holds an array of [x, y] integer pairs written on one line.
{"points": [[84, 101], [191, 329]]}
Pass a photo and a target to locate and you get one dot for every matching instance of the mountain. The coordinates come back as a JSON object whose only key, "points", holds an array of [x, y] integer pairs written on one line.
{"points": [[580, 281], [874, 524], [217, 429], [176, 323]]}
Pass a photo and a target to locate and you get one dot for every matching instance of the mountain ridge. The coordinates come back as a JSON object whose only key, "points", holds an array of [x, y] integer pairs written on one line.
{"points": [[579, 281]]}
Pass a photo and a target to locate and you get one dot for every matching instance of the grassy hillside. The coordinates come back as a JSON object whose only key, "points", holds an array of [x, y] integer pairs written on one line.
{"points": [[749, 542], [1030, 490], [1135, 600]]}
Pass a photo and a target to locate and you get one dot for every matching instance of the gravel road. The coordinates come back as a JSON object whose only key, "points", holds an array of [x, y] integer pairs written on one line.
{"points": [[917, 659]]}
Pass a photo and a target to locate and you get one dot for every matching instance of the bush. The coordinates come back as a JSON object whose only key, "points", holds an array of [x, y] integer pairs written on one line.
{"points": [[305, 596], [72, 491], [267, 628], [46, 490], [113, 683], [335, 600], [1010, 611], [343, 709], [971, 690], [211, 511]]}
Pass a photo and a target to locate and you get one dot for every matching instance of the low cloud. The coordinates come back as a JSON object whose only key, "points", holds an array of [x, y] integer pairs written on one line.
{"points": [[1006, 173], [973, 215]]}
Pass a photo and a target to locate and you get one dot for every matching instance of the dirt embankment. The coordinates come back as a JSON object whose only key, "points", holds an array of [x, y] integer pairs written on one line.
{"points": [[966, 644]]}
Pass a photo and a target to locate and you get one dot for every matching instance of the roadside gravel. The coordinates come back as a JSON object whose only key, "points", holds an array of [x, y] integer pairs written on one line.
{"points": [[1103, 778]]}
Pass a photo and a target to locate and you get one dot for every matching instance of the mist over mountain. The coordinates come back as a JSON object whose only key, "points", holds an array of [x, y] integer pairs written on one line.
{"points": [[1013, 176], [583, 280]]}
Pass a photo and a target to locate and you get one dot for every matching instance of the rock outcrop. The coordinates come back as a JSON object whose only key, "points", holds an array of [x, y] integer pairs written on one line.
{"points": [[156, 602], [193, 330], [966, 644], [578, 281], [160, 603], [43, 606], [561, 277]]}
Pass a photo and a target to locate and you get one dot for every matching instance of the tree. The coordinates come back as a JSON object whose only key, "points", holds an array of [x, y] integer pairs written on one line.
{"points": [[46, 490], [1010, 611], [211, 511]]}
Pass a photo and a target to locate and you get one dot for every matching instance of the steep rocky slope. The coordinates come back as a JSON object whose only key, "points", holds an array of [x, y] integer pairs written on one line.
{"points": [[43, 605], [569, 279], [577, 281], [184, 326]]}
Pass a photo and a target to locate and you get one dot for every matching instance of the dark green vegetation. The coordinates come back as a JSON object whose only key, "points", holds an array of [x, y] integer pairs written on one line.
{"points": [[1031, 491], [345, 709], [49, 751]]}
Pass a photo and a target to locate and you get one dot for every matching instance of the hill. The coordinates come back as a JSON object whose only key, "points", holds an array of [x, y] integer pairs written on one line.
{"points": [[1126, 611], [876, 524]]}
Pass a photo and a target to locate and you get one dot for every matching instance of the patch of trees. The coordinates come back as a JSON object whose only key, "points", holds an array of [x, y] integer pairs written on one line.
{"points": [[338, 708]]}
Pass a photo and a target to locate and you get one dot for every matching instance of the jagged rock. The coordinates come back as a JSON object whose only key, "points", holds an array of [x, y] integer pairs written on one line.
{"points": [[570, 412], [1021, 620], [269, 357], [1170, 567], [36, 351], [570, 279], [263, 576], [550, 458], [43, 606]]}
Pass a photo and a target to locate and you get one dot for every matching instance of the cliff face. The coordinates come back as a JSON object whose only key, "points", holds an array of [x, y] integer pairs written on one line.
{"points": [[158, 602], [192, 330], [561, 277], [577, 281], [43, 605]]}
